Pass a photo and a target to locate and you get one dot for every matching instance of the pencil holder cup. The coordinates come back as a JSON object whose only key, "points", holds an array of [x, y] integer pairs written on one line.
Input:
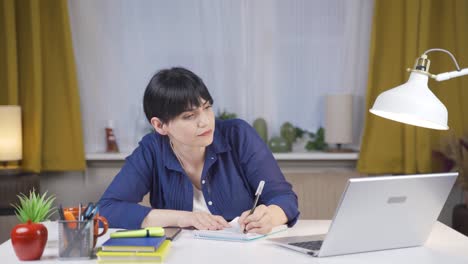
{"points": [[75, 239], [97, 219]]}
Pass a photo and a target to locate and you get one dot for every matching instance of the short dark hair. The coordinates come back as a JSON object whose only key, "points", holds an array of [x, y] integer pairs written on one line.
{"points": [[171, 92]]}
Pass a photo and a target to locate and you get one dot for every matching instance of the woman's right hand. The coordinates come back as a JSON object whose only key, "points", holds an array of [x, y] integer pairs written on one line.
{"points": [[202, 221]]}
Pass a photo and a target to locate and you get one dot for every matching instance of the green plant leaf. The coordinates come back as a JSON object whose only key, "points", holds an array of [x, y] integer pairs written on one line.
{"points": [[318, 141], [225, 115], [34, 207]]}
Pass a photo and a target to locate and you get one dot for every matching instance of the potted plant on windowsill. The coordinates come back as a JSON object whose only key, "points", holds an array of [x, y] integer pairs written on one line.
{"points": [[30, 236]]}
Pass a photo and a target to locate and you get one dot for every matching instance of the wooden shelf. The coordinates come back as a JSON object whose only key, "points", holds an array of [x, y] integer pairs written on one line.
{"points": [[106, 156]]}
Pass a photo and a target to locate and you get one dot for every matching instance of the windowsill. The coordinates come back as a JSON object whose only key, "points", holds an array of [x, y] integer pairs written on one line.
{"points": [[304, 156]]}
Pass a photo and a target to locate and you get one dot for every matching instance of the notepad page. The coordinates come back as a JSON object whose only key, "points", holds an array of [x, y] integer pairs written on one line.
{"points": [[233, 233]]}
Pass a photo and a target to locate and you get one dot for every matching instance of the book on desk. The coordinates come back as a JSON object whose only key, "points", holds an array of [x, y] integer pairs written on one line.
{"points": [[140, 244], [124, 249], [135, 256]]}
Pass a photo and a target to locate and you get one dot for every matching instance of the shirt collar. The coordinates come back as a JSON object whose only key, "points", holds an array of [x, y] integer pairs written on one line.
{"points": [[218, 146]]}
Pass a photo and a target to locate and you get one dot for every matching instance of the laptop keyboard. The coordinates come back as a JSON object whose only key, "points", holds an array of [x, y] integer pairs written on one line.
{"points": [[311, 245]]}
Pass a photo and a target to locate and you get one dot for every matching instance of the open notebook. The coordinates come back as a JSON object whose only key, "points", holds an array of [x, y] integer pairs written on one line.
{"points": [[234, 233]]}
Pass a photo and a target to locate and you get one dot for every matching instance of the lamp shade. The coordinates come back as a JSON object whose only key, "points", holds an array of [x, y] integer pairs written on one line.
{"points": [[11, 147], [338, 119], [412, 103]]}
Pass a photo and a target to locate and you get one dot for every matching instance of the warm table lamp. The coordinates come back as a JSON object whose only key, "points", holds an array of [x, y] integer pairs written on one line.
{"points": [[11, 148], [412, 102], [338, 121]]}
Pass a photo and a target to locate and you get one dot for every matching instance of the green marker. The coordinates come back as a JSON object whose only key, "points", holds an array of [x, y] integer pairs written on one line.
{"points": [[145, 232]]}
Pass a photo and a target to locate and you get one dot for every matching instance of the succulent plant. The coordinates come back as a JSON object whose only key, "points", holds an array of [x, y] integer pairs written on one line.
{"points": [[279, 144], [318, 141], [291, 133], [301, 132], [260, 126], [225, 115], [34, 207], [288, 132]]}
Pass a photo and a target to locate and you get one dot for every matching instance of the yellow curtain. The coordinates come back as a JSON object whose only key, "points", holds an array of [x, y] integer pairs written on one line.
{"points": [[402, 31], [37, 72]]}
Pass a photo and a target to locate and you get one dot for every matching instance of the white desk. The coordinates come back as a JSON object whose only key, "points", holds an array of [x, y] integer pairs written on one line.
{"points": [[443, 246]]}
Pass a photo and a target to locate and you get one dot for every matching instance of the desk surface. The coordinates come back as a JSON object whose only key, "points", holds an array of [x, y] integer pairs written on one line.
{"points": [[443, 246]]}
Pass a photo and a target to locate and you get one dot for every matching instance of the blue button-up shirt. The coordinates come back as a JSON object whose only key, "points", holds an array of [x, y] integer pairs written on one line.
{"points": [[235, 163]]}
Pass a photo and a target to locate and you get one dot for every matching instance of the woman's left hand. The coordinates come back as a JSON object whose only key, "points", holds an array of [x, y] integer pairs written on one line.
{"points": [[260, 222]]}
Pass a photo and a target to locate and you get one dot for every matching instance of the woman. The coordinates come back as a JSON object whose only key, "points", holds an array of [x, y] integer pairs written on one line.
{"points": [[199, 172]]}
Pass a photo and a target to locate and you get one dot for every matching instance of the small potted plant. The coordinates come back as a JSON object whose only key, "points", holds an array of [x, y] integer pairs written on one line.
{"points": [[30, 236]]}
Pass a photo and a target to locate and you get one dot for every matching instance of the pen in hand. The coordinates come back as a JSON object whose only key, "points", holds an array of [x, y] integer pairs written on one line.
{"points": [[257, 195]]}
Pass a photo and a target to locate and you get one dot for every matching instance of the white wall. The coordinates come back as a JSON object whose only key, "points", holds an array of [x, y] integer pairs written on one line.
{"points": [[272, 59]]}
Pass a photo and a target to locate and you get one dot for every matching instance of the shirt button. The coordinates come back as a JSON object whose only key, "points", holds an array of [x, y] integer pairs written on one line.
{"points": [[203, 182], [210, 203], [212, 158]]}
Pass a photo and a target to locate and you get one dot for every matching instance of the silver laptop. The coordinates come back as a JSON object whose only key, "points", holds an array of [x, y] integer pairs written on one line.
{"points": [[378, 213]]}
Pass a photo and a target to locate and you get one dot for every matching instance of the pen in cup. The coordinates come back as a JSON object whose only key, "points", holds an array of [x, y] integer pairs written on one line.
{"points": [[79, 226], [60, 211], [88, 210], [79, 215], [79, 211], [257, 196]]}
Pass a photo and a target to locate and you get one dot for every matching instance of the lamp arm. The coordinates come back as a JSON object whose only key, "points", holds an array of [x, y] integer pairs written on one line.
{"points": [[446, 51], [449, 75]]}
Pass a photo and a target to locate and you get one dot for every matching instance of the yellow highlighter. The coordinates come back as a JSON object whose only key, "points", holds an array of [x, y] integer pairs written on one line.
{"points": [[144, 232]]}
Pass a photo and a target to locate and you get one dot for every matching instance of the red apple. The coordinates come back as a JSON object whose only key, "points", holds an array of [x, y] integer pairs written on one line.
{"points": [[29, 240]]}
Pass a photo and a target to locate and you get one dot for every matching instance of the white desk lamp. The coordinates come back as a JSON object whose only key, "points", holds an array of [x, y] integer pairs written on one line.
{"points": [[412, 102]]}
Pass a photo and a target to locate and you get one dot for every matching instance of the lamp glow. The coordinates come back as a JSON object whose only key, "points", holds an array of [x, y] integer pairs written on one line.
{"points": [[413, 102], [11, 147]]}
